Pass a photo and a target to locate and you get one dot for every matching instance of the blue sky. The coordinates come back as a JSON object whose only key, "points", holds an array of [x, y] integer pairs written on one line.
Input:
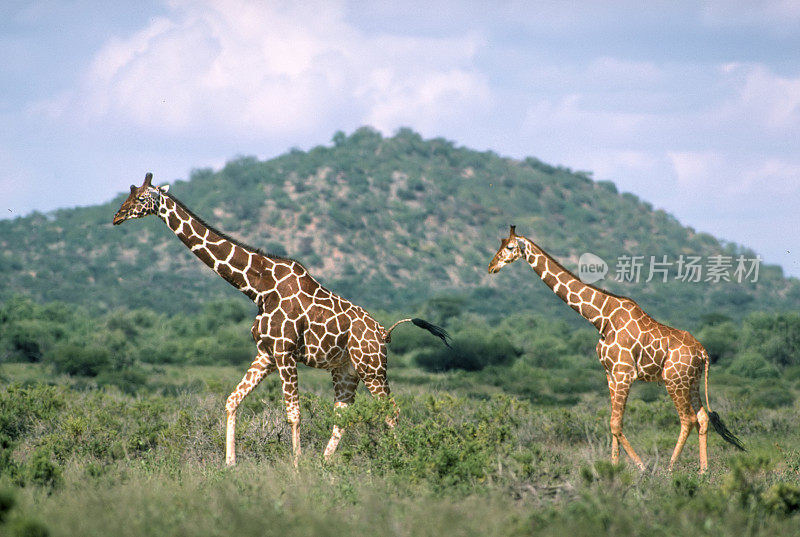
{"points": [[693, 106]]}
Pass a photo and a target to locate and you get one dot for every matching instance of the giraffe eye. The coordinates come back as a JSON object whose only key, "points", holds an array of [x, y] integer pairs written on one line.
{"points": [[510, 247]]}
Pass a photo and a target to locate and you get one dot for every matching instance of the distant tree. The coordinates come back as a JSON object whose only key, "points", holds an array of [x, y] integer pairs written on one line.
{"points": [[339, 139], [775, 336], [74, 359], [721, 340], [472, 350]]}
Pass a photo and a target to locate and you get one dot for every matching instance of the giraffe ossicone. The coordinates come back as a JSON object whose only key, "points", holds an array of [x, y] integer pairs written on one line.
{"points": [[633, 346], [298, 321]]}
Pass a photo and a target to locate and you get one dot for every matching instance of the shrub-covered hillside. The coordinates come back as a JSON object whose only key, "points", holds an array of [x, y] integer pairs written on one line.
{"points": [[387, 222]]}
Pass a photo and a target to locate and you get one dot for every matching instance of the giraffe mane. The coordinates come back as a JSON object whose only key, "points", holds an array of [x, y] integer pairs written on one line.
{"points": [[562, 267], [228, 238]]}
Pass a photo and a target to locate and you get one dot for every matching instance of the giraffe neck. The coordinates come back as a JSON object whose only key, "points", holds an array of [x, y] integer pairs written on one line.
{"points": [[239, 265], [587, 300]]}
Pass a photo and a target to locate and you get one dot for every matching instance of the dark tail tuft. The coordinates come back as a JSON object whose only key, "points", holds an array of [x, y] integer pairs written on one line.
{"points": [[723, 431], [433, 329]]}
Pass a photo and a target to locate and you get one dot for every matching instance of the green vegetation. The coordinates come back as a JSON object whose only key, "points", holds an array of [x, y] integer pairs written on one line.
{"points": [[387, 222], [525, 354], [464, 459], [100, 432]]}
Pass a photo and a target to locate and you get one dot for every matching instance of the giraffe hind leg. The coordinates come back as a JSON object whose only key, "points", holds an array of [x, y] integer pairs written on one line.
{"points": [[682, 398], [371, 369], [702, 427], [260, 368], [345, 382]]}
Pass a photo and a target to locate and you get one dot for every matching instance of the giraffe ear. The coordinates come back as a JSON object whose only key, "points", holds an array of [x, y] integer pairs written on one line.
{"points": [[164, 188]]}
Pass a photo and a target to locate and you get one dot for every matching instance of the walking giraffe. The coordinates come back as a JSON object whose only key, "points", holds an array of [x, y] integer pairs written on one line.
{"points": [[298, 319], [633, 346]]}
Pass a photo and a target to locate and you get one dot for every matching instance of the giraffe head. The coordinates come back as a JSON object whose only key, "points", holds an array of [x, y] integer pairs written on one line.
{"points": [[141, 201], [508, 253]]}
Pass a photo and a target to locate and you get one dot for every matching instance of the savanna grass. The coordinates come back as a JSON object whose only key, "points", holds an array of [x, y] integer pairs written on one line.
{"points": [[100, 462]]}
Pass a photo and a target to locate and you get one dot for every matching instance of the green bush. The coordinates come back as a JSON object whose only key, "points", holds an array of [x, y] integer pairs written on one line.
{"points": [[73, 359], [129, 380], [773, 397], [782, 498], [751, 365], [28, 527], [450, 445], [8, 466], [472, 350], [720, 340], [776, 336], [442, 310], [41, 471], [232, 346], [546, 351], [7, 502], [27, 339], [22, 406]]}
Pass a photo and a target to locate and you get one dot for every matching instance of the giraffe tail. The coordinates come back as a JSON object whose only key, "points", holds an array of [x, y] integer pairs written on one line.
{"points": [[437, 331], [714, 418]]}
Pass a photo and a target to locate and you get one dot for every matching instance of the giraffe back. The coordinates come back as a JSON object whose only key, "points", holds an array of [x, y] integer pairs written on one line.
{"points": [[652, 348], [320, 328]]}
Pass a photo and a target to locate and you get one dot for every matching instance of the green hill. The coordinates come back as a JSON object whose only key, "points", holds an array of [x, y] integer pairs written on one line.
{"points": [[387, 222]]}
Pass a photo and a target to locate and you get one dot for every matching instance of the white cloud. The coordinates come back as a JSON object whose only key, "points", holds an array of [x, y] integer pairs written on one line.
{"points": [[607, 164], [696, 169], [422, 100], [608, 70], [773, 177], [269, 69], [569, 120], [730, 184], [774, 98]]}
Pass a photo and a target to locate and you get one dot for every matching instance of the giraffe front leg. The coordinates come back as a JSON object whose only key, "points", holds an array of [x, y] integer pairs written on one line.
{"points": [[614, 439], [296, 439], [230, 437], [287, 368], [261, 367], [619, 389]]}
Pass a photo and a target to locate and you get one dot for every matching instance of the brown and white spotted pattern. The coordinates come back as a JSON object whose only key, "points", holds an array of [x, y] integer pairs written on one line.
{"points": [[633, 346], [299, 321]]}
